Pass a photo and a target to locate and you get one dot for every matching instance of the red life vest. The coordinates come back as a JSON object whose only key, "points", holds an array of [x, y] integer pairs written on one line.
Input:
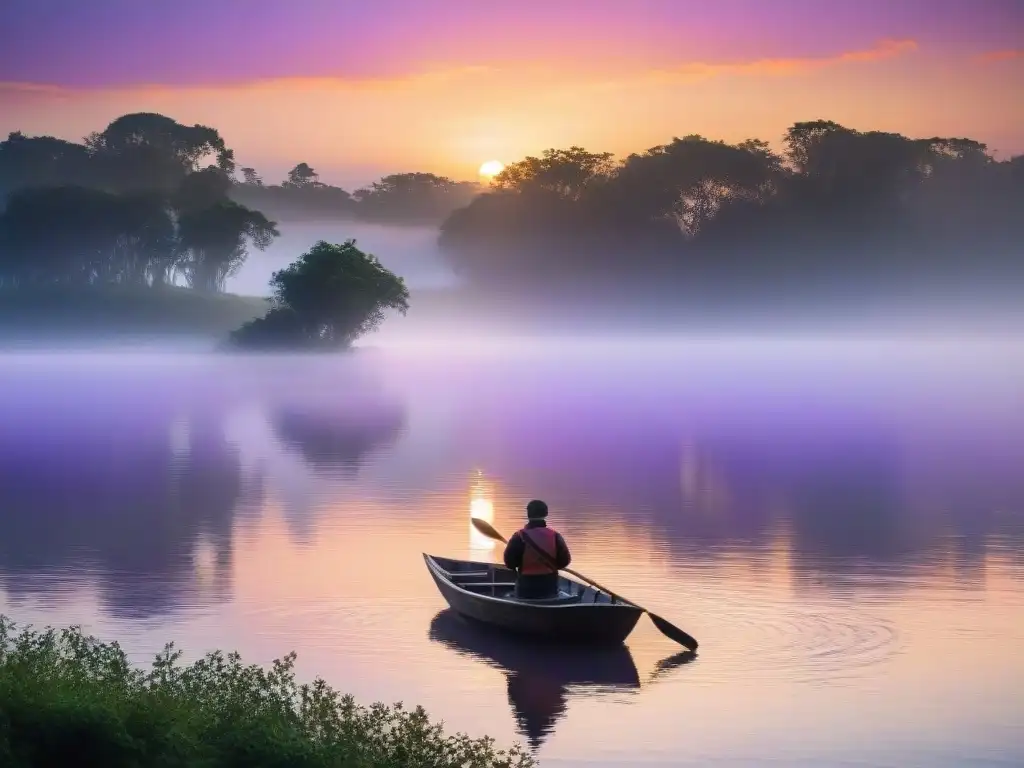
{"points": [[544, 538]]}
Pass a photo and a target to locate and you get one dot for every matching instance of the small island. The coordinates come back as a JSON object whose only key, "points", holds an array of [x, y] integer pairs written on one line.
{"points": [[324, 301]]}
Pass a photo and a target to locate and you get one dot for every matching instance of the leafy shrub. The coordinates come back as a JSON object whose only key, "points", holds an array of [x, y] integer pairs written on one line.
{"points": [[325, 299], [68, 699]]}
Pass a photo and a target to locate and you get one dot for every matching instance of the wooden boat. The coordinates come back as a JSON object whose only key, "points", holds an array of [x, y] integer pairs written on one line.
{"points": [[485, 592]]}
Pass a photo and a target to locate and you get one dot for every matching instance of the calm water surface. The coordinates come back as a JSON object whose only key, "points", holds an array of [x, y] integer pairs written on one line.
{"points": [[840, 524]]}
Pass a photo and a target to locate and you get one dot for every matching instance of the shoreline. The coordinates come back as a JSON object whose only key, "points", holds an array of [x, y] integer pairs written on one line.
{"points": [[119, 318]]}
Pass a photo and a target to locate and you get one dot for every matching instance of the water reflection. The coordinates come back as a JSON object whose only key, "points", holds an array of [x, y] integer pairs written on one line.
{"points": [[833, 545], [339, 438], [859, 478], [540, 678], [124, 501], [481, 506]]}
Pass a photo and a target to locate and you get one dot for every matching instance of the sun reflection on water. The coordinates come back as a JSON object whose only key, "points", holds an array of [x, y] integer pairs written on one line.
{"points": [[480, 505]]}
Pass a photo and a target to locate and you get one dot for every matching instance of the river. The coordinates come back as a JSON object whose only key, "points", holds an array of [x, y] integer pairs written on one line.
{"points": [[840, 523]]}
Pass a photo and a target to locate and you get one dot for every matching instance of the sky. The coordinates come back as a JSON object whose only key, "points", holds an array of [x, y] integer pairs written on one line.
{"points": [[359, 88]]}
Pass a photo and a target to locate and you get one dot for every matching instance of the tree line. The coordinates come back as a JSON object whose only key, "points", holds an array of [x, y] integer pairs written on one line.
{"points": [[399, 198], [143, 202], [149, 201], [835, 204]]}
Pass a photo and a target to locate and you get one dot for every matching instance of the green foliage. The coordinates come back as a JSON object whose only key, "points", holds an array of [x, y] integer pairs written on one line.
{"points": [[326, 299], [68, 699], [279, 329]]}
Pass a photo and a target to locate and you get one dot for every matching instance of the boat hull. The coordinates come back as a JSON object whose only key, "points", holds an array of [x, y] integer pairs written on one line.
{"points": [[480, 592]]}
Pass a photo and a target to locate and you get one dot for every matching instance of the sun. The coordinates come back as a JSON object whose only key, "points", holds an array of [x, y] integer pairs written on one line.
{"points": [[491, 168]]}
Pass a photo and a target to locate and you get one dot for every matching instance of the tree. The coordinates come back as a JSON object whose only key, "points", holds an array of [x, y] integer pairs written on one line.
{"points": [[74, 235], [563, 172], [251, 177], [202, 189], [147, 247], [839, 202], [145, 150], [302, 175], [689, 179], [328, 298], [413, 198], [39, 161], [215, 241]]}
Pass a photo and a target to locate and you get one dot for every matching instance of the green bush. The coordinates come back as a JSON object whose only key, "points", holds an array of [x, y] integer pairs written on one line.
{"points": [[68, 699]]}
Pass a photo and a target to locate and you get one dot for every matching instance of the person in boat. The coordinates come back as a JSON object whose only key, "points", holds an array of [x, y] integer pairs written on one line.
{"points": [[536, 578]]}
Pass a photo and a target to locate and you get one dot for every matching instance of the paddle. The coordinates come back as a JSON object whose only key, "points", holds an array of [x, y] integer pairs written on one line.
{"points": [[669, 630]]}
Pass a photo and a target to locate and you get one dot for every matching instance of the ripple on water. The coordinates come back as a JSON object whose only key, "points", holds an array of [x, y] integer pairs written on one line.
{"points": [[764, 637]]}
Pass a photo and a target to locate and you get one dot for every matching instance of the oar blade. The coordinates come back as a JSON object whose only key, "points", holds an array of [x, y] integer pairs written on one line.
{"points": [[673, 632], [486, 529]]}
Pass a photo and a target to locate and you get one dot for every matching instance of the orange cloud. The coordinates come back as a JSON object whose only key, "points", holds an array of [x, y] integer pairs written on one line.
{"points": [[544, 72], [884, 49], [995, 56], [14, 93], [429, 77]]}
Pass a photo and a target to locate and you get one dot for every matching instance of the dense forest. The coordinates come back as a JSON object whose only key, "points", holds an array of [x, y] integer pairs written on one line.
{"points": [[149, 201], [836, 206]]}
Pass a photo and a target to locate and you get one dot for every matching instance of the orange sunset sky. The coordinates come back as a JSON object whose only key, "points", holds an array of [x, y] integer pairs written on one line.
{"points": [[362, 89]]}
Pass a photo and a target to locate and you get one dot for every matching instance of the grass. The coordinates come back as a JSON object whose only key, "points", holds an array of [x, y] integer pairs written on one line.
{"points": [[113, 311], [67, 698]]}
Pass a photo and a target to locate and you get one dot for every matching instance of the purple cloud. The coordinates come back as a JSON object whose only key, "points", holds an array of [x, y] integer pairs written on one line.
{"points": [[190, 42]]}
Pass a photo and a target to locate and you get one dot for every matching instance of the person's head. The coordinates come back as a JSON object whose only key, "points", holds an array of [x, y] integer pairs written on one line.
{"points": [[536, 510]]}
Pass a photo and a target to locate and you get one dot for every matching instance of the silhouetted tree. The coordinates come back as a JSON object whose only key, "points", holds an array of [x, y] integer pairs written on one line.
{"points": [[251, 177], [150, 151], [566, 173], [83, 236], [42, 161], [692, 217], [215, 240], [837, 204], [690, 179], [142, 202], [302, 176], [412, 198]]}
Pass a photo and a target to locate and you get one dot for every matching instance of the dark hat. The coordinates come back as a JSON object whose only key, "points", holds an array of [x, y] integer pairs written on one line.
{"points": [[536, 510]]}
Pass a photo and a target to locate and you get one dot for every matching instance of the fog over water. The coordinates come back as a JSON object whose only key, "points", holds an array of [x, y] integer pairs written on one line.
{"points": [[411, 252], [839, 522]]}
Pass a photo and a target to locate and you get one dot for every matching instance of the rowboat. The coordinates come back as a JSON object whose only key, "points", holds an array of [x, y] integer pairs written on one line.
{"points": [[579, 614]]}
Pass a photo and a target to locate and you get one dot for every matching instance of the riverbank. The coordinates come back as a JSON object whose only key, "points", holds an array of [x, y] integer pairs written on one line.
{"points": [[115, 313], [69, 699]]}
